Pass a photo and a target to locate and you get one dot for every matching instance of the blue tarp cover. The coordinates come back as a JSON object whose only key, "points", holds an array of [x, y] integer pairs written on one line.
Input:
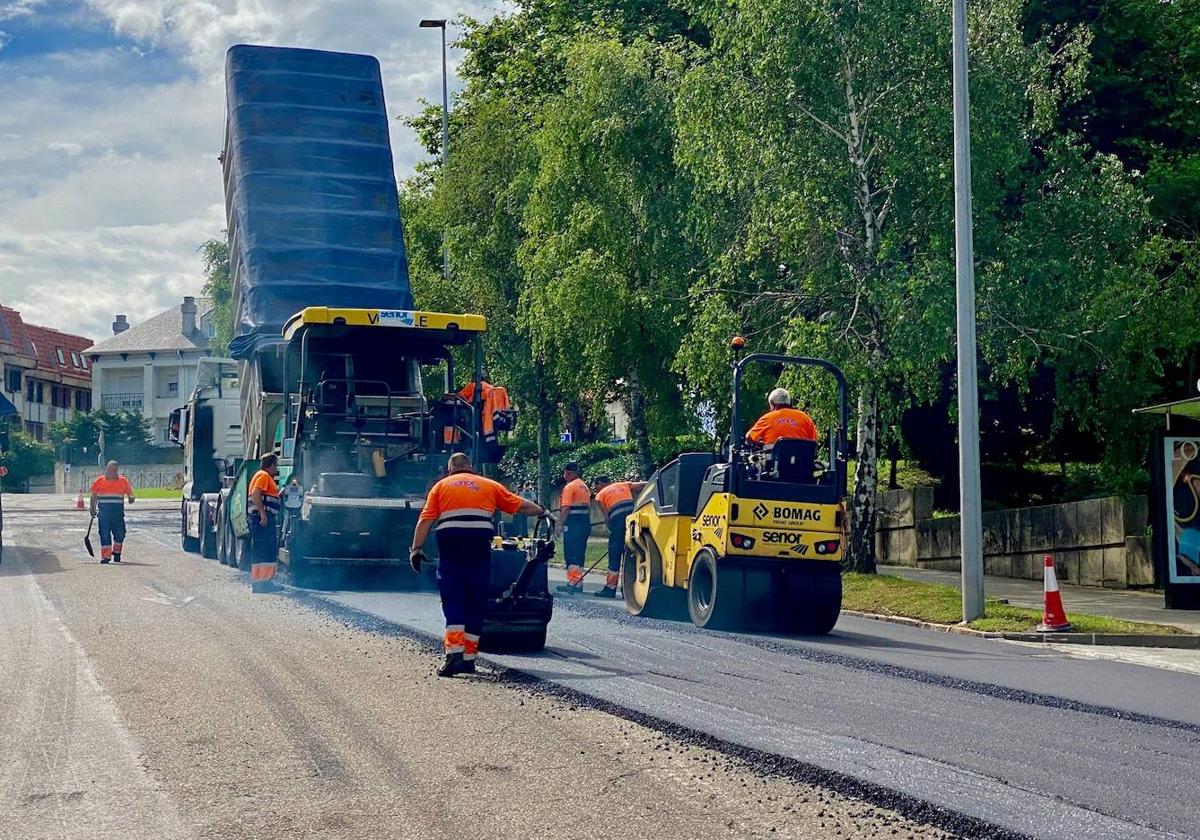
{"points": [[310, 194]]}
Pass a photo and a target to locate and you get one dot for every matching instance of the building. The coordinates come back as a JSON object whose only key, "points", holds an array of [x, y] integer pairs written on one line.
{"points": [[151, 367], [47, 377]]}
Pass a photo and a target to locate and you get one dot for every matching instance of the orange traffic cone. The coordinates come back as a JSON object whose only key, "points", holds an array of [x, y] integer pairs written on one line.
{"points": [[1054, 615], [79, 500]]}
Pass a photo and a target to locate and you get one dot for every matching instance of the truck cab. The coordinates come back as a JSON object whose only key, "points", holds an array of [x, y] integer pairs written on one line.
{"points": [[208, 427]]}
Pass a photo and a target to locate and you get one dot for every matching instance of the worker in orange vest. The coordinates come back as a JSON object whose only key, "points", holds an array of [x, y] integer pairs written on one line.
{"points": [[781, 421], [460, 509], [494, 399], [616, 500], [109, 492], [262, 515], [576, 512]]}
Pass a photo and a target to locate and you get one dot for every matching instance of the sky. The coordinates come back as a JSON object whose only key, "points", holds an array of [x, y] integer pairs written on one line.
{"points": [[111, 121]]}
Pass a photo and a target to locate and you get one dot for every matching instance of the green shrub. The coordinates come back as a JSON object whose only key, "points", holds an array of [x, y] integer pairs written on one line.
{"points": [[25, 458]]}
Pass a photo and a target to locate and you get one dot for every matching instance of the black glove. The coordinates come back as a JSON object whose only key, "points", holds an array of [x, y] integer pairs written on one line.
{"points": [[415, 558]]}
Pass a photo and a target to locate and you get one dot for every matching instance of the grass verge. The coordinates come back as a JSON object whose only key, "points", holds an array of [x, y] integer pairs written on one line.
{"points": [[157, 493], [941, 604]]}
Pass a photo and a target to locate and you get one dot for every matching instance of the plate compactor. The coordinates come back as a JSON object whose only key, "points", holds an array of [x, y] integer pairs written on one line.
{"points": [[520, 605]]}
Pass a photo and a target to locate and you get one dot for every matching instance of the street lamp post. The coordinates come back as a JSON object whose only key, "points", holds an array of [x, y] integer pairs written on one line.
{"points": [[429, 23], [968, 385]]}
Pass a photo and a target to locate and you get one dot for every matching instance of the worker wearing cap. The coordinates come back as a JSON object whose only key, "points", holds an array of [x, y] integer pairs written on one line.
{"points": [[781, 421], [575, 511], [262, 516], [616, 500], [109, 492], [461, 508]]}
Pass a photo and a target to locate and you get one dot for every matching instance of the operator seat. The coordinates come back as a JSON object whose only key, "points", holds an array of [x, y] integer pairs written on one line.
{"points": [[793, 460]]}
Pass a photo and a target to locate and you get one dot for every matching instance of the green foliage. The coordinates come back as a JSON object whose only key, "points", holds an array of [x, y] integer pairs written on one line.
{"points": [[215, 253], [123, 430], [629, 185], [25, 458]]}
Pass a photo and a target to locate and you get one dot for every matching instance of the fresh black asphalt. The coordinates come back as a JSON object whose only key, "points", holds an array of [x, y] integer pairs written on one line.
{"points": [[1023, 740]]}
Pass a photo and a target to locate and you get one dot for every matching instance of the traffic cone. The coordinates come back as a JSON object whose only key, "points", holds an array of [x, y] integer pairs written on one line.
{"points": [[79, 500], [1054, 615]]}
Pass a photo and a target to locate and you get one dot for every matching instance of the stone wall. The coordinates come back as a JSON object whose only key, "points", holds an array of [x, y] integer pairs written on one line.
{"points": [[1098, 542]]}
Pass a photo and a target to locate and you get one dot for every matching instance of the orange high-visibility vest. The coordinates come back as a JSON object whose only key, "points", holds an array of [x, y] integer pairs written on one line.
{"points": [[782, 423], [467, 500], [616, 499], [110, 493]]}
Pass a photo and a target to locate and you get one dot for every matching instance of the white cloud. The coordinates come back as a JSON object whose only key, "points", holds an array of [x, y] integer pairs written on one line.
{"points": [[108, 175]]}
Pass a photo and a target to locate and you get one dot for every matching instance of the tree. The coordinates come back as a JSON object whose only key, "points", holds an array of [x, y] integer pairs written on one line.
{"points": [[820, 134], [25, 458], [215, 254], [122, 430], [608, 260]]}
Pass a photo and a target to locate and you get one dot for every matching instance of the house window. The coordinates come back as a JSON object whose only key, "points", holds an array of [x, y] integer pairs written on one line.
{"points": [[76, 359], [39, 396], [172, 389], [12, 380], [83, 400], [62, 360], [54, 395]]}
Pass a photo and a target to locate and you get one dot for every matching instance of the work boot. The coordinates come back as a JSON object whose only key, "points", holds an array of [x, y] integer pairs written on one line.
{"points": [[455, 664], [606, 592], [116, 558], [103, 561], [468, 667], [570, 588]]}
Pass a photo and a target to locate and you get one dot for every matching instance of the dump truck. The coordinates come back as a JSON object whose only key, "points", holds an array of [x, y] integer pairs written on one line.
{"points": [[340, 375], [209, 429]]}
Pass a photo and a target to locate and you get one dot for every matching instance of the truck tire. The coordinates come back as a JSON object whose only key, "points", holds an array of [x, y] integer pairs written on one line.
{"points": [[242, 552], [814, 602], [188, 544], [715, 593], [208, 540]]}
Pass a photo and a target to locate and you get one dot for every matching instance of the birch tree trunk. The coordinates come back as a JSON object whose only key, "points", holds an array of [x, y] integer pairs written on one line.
{"points": [[866, 483], [637, 421]]}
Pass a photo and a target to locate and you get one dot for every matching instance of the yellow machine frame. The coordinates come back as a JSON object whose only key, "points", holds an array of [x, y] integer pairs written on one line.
{"points": [[752, 550]]}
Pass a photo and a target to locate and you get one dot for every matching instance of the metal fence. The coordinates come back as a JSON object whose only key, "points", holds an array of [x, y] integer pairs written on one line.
{"points": [[157, 475], [123, 402]]}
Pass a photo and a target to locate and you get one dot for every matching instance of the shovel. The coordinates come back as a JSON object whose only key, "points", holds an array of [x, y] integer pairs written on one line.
{"points": [[87, 539]]}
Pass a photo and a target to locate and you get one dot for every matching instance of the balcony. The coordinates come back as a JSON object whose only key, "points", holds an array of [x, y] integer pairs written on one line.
{"points": [[122, 402]]}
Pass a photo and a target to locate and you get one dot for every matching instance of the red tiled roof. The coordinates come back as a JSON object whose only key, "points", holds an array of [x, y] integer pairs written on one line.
{"points": [[42, 344]]}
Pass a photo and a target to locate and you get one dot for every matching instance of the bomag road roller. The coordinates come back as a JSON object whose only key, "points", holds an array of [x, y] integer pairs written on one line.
{"points": [[753, 540]]}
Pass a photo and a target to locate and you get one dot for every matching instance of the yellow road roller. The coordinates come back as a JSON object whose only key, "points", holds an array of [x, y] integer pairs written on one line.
{"points": [[751, 540]]}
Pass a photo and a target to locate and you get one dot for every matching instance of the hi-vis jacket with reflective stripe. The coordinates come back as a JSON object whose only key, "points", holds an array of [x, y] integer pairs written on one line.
{"points": [[263, 481], [110, 493], [469, 501], [782, 423], [616, 499], [575, 498]]}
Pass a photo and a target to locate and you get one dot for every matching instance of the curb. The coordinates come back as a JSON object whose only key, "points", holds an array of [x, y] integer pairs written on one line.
{"points": [[1177, 642]]}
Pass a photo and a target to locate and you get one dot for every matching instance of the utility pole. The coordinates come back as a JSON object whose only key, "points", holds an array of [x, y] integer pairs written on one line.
{"points": [[429, 23], [971, 516]]}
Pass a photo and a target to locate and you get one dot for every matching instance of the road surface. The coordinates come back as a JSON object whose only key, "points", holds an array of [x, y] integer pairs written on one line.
{"points": [[314, 712], [160, 699]]}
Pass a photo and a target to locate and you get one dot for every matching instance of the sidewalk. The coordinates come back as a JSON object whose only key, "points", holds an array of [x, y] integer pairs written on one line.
{"points": [[1126, 604]]}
